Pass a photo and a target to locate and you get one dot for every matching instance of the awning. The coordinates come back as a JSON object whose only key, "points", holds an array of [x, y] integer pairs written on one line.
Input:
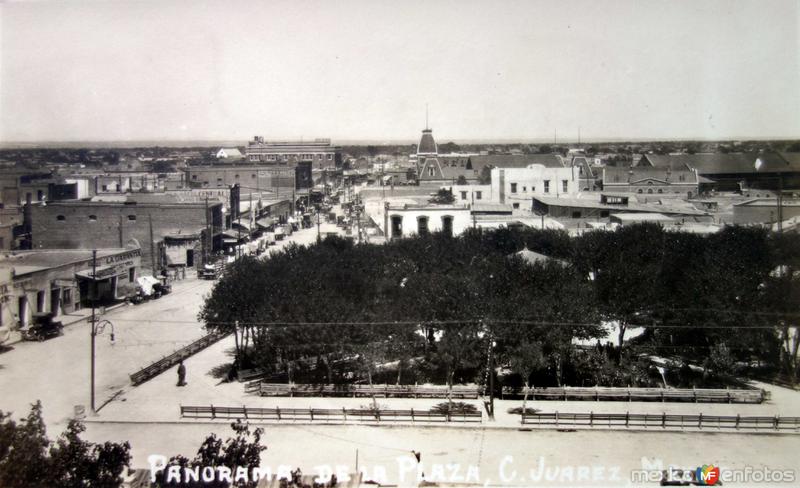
{"points": [[265, 222], [101, 273], [245, 224]]}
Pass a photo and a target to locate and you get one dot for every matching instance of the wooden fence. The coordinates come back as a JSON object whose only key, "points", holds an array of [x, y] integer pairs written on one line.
{"points": [[325, 415], [167, 362], [386, 391], [640, 394], [662, 421]]}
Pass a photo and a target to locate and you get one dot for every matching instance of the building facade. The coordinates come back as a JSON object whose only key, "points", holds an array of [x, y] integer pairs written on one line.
{"points": [[251, 178], [320, 152], [97, 224], [517, 186], [407, 220], [58, 282], [651, 180]]}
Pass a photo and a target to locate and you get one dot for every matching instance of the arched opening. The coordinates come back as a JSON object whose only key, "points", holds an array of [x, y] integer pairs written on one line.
{"points": [[422, 225], [397, 226], [447, 225]]}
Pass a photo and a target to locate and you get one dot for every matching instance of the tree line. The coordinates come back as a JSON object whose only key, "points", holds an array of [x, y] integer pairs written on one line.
{"points": [[432, 308]]}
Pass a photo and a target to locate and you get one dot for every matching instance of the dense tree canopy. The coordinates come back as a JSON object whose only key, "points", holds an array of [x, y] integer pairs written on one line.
{"points": [[438, 303]]}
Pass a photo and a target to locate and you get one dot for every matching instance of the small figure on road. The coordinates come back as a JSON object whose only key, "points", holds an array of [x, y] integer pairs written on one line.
{"points": [[181, 374]]}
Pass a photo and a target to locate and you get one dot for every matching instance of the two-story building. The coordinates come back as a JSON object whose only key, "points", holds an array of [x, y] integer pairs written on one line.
{"points": [[518, 185]]}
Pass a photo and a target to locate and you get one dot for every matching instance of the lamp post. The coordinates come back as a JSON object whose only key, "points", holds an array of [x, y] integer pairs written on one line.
{"points": [[97, 327]]}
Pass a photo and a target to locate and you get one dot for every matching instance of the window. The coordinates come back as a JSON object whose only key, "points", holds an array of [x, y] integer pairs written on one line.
{"points": [[330, 157], [604, 213], [516, 205], [131, 274], [60, 218], [422, 225], [39, 195], [105, 188], [681, 178], [253, 176], [463, 195], [397, 226], [576, 215], [639, 190], [564, 186], [524, 189], [430, 171], [319, 156], [513, 188], [93, 218], [478, 195], [660, 190], [236, 176], [194, 177], [66, 296], [447, 225], [219, 181], [650, 190], [132, 218], [547, 186]]}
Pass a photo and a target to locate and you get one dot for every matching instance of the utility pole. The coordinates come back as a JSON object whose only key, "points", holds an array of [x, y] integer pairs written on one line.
{"points": [[152, 245], [319, 236], [205, 240], [780, 203], [93, 289]]}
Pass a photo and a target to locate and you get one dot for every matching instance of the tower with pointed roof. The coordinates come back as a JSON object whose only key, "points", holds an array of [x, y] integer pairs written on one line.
{"points": [[428, 166]]}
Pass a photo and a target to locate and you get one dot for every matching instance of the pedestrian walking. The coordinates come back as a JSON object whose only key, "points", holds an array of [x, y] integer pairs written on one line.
{"points": [[181, 374]]}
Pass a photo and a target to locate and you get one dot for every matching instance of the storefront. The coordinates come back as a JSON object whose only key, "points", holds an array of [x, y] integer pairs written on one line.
{"points": [[60, 281]]}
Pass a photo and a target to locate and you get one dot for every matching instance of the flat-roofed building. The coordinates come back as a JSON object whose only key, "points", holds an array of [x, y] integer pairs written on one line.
{"points": [[78, 224], [320, 152], [58, 281]]}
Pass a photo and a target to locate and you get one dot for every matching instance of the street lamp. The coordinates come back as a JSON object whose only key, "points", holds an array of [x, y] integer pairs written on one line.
{"points": [[97, 327]]}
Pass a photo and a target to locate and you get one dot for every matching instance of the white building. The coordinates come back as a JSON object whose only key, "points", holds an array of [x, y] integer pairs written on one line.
{"points": [[469, 194], [407, 220], [518, 185]]}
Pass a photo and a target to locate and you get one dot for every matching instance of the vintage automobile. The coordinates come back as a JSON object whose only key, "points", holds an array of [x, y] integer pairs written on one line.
{"points": [[43, 327]]}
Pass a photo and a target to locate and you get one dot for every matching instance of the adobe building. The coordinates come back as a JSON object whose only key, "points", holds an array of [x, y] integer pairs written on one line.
{"points": [[404, 220], [80, 224], [651, 180], [59, 281]]}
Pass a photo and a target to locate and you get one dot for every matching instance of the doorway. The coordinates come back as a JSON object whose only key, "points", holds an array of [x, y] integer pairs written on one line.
{"points": [[189, 258]]}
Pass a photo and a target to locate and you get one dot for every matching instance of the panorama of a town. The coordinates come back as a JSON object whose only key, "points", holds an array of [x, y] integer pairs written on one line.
{"points": [[415, 244]]}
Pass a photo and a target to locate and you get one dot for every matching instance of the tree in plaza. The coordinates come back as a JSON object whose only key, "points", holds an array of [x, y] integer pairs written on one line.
{"points": [[624, 265], [242, 450], [28, 459]]}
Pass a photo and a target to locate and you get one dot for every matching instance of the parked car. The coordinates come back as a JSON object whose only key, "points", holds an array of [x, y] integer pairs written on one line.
{"points": [[43, 327]]}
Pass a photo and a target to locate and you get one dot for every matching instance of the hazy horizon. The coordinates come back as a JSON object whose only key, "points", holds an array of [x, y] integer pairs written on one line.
{"points": [[357, 70]]}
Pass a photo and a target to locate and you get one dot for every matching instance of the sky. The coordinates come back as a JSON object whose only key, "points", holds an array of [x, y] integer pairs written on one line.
{"points": [[364, 70]]}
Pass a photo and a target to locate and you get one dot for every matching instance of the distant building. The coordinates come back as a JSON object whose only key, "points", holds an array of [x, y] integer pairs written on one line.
{"points": [[592, 207], [516, 186], [229, 153], [764, 211], [251, 178], [651, 180], [320, 152], [105, 224], [734, 171]]}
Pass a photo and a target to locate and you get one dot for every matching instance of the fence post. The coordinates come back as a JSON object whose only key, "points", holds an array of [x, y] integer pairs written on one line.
{"points": [[700, 421], [591, 418], [738, 418], [412, 415], [344, 412], [244, 409], [694, 392], [663, 420], [627, 416], [776, 421], [311, 412], [213, 412], [278, 412], [556, 418]]}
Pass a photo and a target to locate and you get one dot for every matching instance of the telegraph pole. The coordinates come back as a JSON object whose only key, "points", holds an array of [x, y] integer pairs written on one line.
{"points": [[92, 324]]}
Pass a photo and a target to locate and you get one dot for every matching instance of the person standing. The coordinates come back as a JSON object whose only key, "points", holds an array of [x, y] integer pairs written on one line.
{"points": [[181, 373]]}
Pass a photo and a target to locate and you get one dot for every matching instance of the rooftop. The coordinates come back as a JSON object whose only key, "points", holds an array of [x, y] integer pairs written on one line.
{"points": [[24, 262]]}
